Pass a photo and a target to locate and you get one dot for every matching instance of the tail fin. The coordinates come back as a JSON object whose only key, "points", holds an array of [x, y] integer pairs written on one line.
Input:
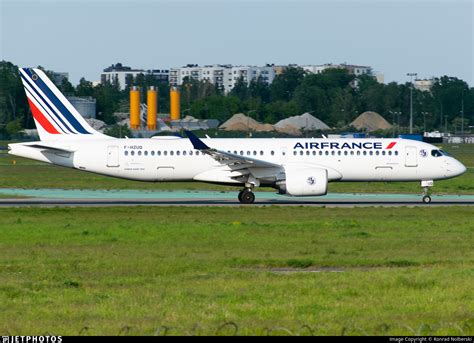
{"points": [[55, 117]]}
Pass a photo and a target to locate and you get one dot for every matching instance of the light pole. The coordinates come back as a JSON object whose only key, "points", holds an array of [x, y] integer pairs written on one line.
{"points": [[398, 120], [462, 112], [248, 122], [424, 120], [411, 99]]}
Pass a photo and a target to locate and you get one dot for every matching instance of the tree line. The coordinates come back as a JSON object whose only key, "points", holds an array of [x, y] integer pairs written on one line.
{"points": [[334, 96]]}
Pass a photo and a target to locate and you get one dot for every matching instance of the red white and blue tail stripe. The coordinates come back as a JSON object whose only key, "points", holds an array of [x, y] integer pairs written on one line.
{"points": [[55, 117]]}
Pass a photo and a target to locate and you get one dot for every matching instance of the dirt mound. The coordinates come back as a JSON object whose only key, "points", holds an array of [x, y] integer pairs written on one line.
{"points": [[305, 122], [371, 121], [241, 122]]}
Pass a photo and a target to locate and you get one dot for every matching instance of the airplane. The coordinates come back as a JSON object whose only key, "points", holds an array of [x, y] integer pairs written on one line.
{"points": [[293, 166]]}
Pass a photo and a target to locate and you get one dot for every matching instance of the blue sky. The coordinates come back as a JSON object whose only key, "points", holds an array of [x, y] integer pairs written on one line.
{"points": [[432, 38]]}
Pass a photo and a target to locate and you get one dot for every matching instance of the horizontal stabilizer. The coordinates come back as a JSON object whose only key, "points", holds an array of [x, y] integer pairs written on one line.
{"points": [[49, 147]]}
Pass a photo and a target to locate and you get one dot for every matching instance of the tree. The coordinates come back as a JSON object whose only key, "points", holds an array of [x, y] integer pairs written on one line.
{"points": [[448, 93], [285, 84], [118, 131], [13, 103], [240, 89], [14, 127], [108, 98], [259, 89], [84, 88]]}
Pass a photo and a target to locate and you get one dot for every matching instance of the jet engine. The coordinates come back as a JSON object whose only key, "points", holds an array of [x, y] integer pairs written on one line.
{"points": [[304, 181]]}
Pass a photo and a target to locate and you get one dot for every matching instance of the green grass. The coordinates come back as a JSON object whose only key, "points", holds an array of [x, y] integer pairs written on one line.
{"points": [[149, 270], [19, 175]]}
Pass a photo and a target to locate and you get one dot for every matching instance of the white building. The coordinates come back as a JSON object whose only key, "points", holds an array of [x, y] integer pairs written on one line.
{"points": [[124, 74], [223, 75], [247, 73], [423, 85], [352, 69]]}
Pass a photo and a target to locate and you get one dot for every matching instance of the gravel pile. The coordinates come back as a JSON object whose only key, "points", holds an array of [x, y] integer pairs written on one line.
{"points": [[96, 124], [305, 122], [241, 122], [371, 121]]}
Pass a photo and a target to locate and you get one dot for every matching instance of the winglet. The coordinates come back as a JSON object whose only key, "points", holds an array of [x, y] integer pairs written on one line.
{"points": [[197, 143]]}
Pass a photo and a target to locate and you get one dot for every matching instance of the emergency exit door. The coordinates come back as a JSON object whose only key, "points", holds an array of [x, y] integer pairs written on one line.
{"points": [[411, 156], [113, 156]]}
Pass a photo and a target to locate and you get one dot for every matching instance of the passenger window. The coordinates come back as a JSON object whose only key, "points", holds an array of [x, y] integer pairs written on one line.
{"points": [[308, 152], [261, 153], [339, 152], [333, 153], [396, 153], [358, 152], [345, 153], [165, 153], [272, 152], [352, 152], [171, 153], [377, 153], [139, 152], [132, 153], [390, 153], [153, 153], [364, 153], [146, 152], [383, 153], [190, 153], [248, 153], [241, 153], [320, 153], [184, 153], [327, 153], [254, 153], [314, 152], [294, 153], [371, 152], [126, 153]]}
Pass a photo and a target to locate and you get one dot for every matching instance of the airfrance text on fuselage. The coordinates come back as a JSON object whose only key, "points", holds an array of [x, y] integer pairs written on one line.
{"points": [[338, 146]]}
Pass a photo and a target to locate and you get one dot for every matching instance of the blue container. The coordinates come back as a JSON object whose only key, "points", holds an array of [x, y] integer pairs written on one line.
{"points": [[413, 136]]}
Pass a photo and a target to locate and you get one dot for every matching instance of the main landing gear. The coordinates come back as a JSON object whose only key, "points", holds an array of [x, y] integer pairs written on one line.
{"points": [[426, 191], [246, 196]]}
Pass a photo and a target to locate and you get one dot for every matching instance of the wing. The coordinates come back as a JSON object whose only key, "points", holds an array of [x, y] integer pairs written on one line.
{"points": [[233, 160]]}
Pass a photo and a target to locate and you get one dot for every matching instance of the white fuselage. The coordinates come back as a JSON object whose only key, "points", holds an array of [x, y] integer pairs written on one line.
{"points": [[175, 159]]}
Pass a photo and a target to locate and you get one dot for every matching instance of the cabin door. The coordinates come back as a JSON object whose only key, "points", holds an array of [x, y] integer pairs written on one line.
{"points": [[113, 156], [411, 159]]}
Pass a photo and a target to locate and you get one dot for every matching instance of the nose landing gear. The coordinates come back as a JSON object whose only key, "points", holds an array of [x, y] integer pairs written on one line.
{"points": [[426, 191], [246, 196]]}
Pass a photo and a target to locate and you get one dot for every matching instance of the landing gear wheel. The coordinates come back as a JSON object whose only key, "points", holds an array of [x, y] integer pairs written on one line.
{"points": [[426, 199], [246, 197], [240, 194]]}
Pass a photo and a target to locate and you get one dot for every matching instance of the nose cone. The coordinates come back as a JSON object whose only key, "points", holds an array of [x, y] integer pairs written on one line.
{"points": [[456, 168]]}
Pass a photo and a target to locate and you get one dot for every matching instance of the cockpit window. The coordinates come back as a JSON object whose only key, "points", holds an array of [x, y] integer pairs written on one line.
{"points": [[445, 153], [436, 153]]}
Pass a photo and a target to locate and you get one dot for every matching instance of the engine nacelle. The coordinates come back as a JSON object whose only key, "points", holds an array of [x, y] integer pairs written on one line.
{"points": [[304, 181]]}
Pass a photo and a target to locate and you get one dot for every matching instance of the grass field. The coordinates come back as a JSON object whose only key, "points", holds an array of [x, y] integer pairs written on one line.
{"points": [[19, 175], [148, 270]]}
